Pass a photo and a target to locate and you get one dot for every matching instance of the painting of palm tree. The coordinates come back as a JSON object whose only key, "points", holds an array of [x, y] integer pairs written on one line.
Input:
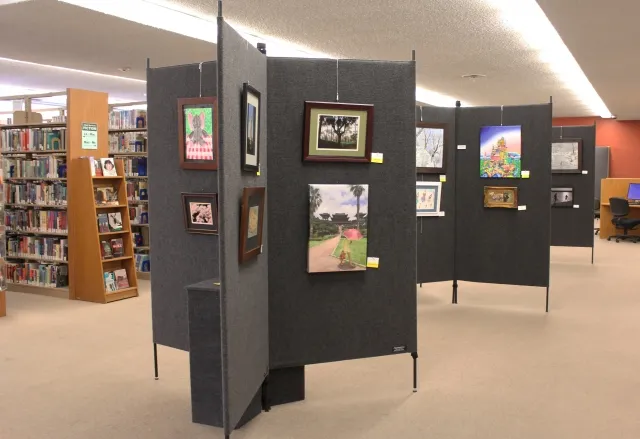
{"points": [[315, 200], [357, 191]]}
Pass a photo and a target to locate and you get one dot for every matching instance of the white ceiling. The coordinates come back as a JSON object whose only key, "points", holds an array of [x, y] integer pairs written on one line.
{"points": [[451, 38]]}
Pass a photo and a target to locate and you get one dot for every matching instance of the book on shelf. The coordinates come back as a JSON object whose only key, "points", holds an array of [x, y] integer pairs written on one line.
{"points": [[96, 167], [103, 223], [139, 214], [105, 250], [135, 166], [37, 274], [123, 143], [36, 220], [110, 282], [40, 247], [41, 194], [117, 247], [138, 239], [108, 167], [32, 140], [106, 196], [122, 281], [137, 190], [143, 262], [40, 167], [115, 221], [127, 119]]}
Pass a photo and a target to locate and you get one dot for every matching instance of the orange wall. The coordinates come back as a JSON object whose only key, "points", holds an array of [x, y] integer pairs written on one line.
{"points": [[622, 136]]}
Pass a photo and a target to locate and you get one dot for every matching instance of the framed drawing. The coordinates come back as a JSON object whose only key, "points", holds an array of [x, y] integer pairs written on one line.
{"points": [[566, 156], [250, 128], [200, 213], [561, 197], [335, 132], [501, 151], [198, 133], [500, 196], [430, 148], [338, 218], [251, 220], [428, 198]]}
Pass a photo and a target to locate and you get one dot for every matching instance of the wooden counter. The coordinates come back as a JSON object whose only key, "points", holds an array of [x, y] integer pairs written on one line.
{"points": [[615, 187]]}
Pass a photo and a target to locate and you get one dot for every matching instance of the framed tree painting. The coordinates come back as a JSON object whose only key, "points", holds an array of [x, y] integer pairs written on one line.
{"points": [[198, 133], [250, 128], [251, 220], [500, 196], [200, 212], [428, 198], [561, 197], [566, 156], [430, 148], [501, 151], [335, 132]]}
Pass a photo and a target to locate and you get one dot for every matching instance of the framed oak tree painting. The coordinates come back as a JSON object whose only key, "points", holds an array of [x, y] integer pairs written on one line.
{"points": [[198, 133], [430, 148], [566, 156], [336, 132]]}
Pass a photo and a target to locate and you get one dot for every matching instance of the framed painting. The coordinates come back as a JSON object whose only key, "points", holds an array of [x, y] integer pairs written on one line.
{"points": [[335, 132], [338, 218], [501, 151], [428, 198], [566, 156], [200, 213], [430, 148], [250, 128], [198, 133], [500, 196], [561, 197], [251, 221]]}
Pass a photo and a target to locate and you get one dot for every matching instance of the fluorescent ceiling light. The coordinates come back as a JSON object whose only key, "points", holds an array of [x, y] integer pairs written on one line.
{"points": [[529, 20]]}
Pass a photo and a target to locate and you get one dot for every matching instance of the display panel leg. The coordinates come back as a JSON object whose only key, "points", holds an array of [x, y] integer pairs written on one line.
{"points": [[420, 285], [592, 251], [454, 298], [547, 306], [266, 403], [414, 355], [155, 359]]}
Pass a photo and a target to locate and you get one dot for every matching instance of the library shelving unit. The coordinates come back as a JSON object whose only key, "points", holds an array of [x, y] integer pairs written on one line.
{"points": [[89, 271], [3, 247], [128, 141]]}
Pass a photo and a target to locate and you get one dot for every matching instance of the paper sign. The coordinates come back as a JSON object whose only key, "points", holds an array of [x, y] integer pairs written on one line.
{"points": [[258, 173], [376, 157], [440, 213], [373, 262], [525, 174], [576, 206], [522, 207], [462, 146], [89, 135], [585, 172], [443, 178]]}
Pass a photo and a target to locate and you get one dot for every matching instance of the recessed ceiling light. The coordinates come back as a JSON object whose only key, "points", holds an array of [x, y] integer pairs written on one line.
{"points": [[124, 69], [474, 76]]}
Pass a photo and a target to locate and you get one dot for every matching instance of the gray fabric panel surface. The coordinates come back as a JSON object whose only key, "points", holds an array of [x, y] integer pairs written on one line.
{"points": [[178, 258], [435, 234], [601, 167], [574, 227], [504, 246], [317, 318], [245, 326]]}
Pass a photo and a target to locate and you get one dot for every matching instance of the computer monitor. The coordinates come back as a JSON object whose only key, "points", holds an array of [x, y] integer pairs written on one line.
{"points": [[634, 192]]}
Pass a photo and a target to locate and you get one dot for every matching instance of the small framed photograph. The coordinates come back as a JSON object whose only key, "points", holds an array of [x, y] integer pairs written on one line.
{"points": [[500, 196], [250, 128], [336, 132], [200, 213], [430, 148], [198, 133], [251, 220], [561, 197], [566, 156], [428, 198]]}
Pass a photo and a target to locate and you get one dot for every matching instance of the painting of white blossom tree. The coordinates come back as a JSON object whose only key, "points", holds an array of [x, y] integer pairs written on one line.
{"points": [[430, 148]]}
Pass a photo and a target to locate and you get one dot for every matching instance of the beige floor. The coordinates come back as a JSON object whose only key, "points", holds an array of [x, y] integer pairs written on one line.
{"points": [[494, 366]]}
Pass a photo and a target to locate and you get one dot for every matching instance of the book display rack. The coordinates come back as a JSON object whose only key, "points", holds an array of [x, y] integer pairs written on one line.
{"points": [[3, 282]]}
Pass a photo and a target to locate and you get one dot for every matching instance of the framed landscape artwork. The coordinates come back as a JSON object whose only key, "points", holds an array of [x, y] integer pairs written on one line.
{"points": [[500, 151], [500, 196], [566, 156], [198, 133], [335, 132], [250, 128], [562, 197], [428, 198], [200, 213], [338, 217], [430, 148], [251, 221]]}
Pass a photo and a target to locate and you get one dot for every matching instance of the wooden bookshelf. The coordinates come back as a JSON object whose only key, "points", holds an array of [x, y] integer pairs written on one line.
{"points": [[88, 270], [3, 303]]}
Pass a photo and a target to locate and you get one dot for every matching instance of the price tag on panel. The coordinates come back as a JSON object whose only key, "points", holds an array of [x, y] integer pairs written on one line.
{"points": [[525, 174], [585, 172], [462, 146], [443, 179], [522, 207], [376, 157], [440, 213], [373, 262]]}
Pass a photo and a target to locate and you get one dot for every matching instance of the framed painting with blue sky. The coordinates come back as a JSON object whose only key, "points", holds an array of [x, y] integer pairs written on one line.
{"points": [[501, 151]]}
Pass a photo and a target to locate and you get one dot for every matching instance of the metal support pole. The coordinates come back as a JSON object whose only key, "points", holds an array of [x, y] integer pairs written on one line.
{"points": [[454, 298], [155, 359], [414, 355], [547, 307]]}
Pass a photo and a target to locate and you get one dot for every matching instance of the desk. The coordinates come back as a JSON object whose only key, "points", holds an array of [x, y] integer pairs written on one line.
{"points": [[615, 187]]}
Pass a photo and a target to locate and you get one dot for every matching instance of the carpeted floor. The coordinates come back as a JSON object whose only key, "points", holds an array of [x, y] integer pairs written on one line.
{"points": [[494, 366]]}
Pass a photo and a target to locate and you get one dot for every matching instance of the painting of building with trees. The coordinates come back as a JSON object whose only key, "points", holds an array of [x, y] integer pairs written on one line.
{"points": [[338, 132], [500, 151], [338, 218]]}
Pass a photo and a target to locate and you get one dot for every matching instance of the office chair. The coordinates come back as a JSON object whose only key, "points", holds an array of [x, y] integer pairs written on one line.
{"points": [[620, 210], [596, 215]]}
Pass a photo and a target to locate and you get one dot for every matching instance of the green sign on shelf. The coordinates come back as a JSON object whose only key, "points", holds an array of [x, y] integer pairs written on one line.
{"points": [[89, 135]]}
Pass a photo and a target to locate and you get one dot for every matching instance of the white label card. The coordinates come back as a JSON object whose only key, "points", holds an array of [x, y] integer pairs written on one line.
{"points": [[522, 207], [373, 262], [585, 172], [440, 213], [376, 157], [576, 206], [462, 146]]}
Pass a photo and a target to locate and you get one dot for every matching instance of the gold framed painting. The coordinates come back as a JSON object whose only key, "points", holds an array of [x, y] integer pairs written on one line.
{"points": [[500, 196]]}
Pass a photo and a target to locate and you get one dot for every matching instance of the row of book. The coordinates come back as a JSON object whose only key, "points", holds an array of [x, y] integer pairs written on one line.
{"points": [[54, 249], [36, 220], [36, 274], [143, 263], [109, 222], [41, 167], [127, 142], [42, 193], [113, 248], [32, 140], [115, 280], [138, 240], [135, 166], [137, 190], [126, 119], [139, 214]]}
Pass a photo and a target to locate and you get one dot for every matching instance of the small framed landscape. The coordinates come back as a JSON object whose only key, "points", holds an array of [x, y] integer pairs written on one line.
{"points": [[198, 133], [500, 196], [200, 213], [336, 132], [250, 128], [430, 148], [562, 197], [566, 156], [428, 198], [251, 221]]}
